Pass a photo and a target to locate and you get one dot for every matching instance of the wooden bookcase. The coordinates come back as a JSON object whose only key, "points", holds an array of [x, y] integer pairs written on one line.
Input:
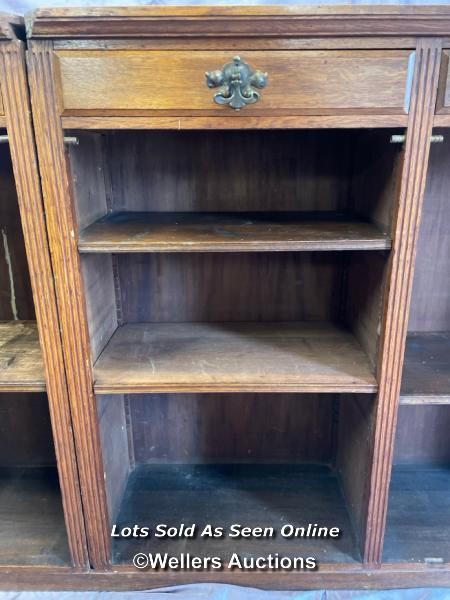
{"points": [[41, 519], [234, 287]]}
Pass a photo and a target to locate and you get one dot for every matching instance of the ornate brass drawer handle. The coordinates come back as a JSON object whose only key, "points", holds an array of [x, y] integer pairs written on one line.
{"points": [[236, 80]]}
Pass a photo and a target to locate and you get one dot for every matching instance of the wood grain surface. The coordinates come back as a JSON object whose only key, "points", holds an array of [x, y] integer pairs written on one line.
{"points": [[229, 232], [247, 21], [120, 82], [399, 286], [252, 286], [332, 575], [21, 364], [189, 357], [228, 171], [244, 122], [426, 373], [231, 428], [77, 397], [27, 178]]}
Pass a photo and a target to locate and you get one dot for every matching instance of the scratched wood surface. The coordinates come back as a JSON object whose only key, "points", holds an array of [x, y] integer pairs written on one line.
{"points": [[249, 357], [229, 232], [21, 365]]}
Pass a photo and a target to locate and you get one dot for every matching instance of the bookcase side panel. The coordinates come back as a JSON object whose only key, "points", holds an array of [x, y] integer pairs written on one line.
{"points": [[397, 301], [69, 291], [20, 135]]}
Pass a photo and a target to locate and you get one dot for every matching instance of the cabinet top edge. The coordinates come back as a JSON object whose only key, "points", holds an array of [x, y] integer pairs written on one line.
{"points": [[232, 21], [11, 26]]}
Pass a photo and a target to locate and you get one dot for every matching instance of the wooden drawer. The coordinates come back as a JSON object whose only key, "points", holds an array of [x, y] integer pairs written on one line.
{"points": [[115, 82]]}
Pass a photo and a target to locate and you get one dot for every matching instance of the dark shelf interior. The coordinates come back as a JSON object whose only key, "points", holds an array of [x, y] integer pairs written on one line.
{"points": [[223, 494], [32, 528], [426, 372], [418, 521]]}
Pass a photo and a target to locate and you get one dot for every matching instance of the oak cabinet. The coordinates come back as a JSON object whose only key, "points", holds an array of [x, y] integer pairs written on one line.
{"points": [[234, 267]]}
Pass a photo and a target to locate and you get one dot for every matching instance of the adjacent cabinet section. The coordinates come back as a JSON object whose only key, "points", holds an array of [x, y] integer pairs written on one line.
{"points": [[41, 520], [32, 528], [418, 526]]}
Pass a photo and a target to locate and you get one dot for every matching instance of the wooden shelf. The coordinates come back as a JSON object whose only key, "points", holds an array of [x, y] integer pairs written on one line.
{"points": [[418, 519], [21, 365], [250, 357], [426, 373], [250, 494], [32, 528], [229, 232]]}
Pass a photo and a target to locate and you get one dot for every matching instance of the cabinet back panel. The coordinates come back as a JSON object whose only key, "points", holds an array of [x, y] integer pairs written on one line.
{"points": [[232, 427], [229, 170], [101, 300], [376, 174], [25, 431], [365, 302], [16, 299], [422, 435], [422, 432], [230, 287], [430, 305], [89, 179], [115, 449]]}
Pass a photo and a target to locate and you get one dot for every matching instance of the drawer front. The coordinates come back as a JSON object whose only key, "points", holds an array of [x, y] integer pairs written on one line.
{"points": [[299, 82]]}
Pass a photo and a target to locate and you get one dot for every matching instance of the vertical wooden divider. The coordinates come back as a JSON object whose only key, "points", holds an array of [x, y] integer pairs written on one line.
{"points": [[398, 293], [63, 237], [24, 160]]}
